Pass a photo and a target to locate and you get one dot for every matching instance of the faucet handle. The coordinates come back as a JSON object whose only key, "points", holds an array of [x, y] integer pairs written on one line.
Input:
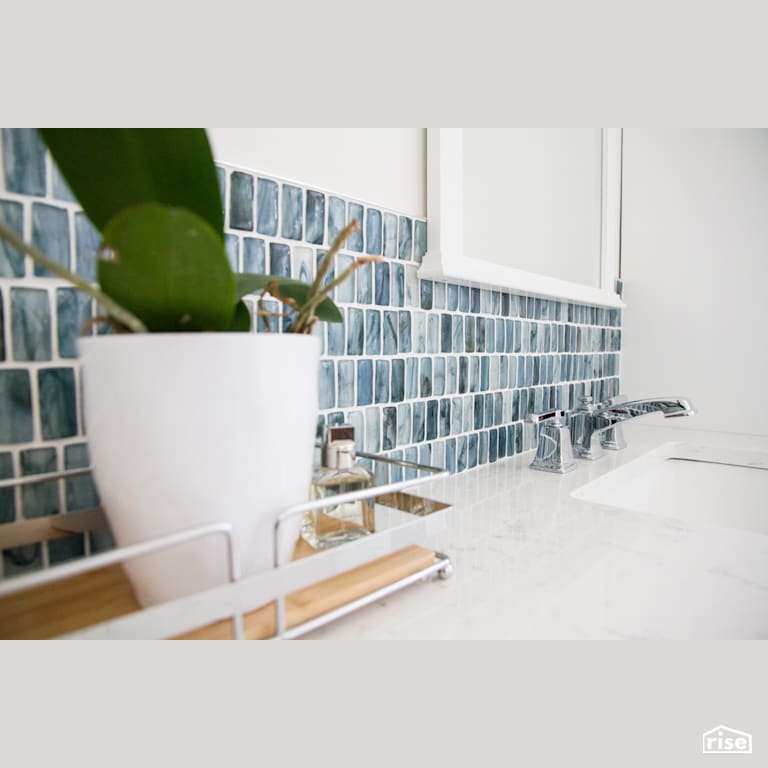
{"points": [[613, 439], [554, 452]]}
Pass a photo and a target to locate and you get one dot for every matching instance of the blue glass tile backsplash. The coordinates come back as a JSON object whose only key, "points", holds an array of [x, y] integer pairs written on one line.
{"points": [[429, 371]]}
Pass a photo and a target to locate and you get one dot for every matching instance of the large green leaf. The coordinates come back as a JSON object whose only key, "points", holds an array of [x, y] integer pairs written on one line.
{"points": [[291, 289], [110, 169], [170, 269]]}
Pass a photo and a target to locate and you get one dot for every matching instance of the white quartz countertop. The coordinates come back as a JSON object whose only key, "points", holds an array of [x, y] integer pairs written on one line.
{"points": [[531, 562]]}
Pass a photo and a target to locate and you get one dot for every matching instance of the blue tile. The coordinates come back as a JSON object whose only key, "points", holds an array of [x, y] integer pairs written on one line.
{"points": [[50, 234], [451, 375], [30, 324], [346, 290], [411, 454], [381, 284], [330, 274], [419, 324], [480, 334], [425, 455], [293, 205], [405, 239], [426, 377], [433, 334], [457, 412], [80, 491], [221, 179], [241, 201], [398, 380], [390, 235], [464, 298], [450, 455], [390, 333], [58, 411], [488, 410], [87, 243], [474, 302], [11, 259], [471, 451], [452, 301], [346, 384], [469, 334], [502, 442], [39, 499], [412, 377], [403, 424], [438, 376], [404, 331], [254, 256], [482, 451], [490, 335], [15, 407], [444, 427], [463, 374], [266, 207], [364, 284], [73, 310], [420, 241], [457, 334], [426, 294], [373, 231], [269, 321], [355, 331], [372, 430], [336, 337], [327, 388], [474, 373], [7, 495], [412, 298], [382, 381], [355, 240], [438, 295], [388, 428], [337, 217], [398, 285], [232, 248], [20, 560], [484, 373], [432, 413], [419, 422], [66, 548], [478, 410], [23, 161], [372, 332], [364, 382], [446, 333], [461, 453], [315, 217], [280, 259]]}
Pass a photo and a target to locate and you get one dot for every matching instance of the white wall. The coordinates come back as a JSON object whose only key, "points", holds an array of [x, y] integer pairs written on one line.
{"points": [[383, 166], [695, 266]]}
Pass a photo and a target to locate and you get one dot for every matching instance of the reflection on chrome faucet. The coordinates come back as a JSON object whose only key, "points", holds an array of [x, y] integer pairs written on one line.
{"points": [[589, 419]]}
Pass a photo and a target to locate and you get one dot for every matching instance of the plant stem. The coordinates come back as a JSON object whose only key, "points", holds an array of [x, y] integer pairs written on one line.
{"points": [[119, 313]]}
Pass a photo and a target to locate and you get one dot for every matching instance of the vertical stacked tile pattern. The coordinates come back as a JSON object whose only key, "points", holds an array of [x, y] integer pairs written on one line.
{"points": [[432, 372]]}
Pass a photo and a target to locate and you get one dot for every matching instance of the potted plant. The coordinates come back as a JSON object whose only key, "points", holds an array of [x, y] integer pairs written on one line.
{"points": [[190, 417]]}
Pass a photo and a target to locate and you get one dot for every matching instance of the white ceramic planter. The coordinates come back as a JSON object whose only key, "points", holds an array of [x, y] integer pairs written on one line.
{"points": [[187, 429]]}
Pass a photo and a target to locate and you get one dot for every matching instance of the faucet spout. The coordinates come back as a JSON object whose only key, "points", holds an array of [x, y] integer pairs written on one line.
{"points": [[589, 419], [671, 407]]}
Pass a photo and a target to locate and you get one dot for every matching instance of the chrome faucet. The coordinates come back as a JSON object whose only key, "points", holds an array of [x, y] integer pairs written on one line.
{"points": [[589, 419]]}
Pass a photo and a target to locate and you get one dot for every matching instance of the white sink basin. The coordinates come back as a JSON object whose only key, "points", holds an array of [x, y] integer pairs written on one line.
{"points": [[696, 483]]}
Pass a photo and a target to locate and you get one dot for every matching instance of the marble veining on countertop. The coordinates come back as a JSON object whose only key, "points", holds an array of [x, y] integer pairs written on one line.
{"points": [[531, 562]]}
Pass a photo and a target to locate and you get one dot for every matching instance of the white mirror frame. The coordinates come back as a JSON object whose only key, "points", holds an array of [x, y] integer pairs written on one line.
{"points": [[445, 258]]}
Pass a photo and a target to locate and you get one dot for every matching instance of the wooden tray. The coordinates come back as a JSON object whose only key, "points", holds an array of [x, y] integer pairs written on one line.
{"points": [[99, 596]]}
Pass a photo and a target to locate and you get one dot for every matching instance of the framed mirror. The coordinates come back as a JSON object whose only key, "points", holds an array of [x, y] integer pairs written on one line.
{"points": [[536, 211]]}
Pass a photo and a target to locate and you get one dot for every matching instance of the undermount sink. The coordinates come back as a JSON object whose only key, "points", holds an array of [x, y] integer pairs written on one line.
{"points": [[695, 483]]}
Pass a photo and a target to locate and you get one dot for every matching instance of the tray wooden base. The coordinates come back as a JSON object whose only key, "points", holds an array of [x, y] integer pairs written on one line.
{"points": [[92, 598]]}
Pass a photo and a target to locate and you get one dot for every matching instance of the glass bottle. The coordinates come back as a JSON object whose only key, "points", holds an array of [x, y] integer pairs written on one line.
{"points": [[339, 523]]}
